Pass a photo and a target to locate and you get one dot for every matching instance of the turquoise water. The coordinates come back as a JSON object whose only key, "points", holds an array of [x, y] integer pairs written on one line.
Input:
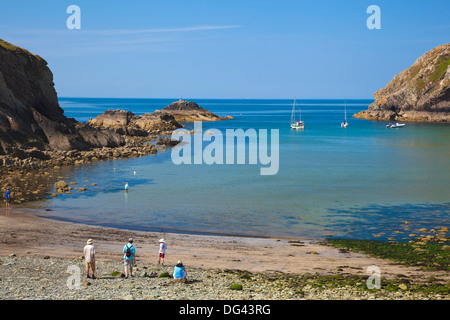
{"points": [[362, 182]]}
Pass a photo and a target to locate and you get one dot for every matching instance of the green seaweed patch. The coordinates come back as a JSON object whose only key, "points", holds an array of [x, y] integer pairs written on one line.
{"points": [[302, 284], [165, 275], [236, 287], [430, 255], [117, 274]]}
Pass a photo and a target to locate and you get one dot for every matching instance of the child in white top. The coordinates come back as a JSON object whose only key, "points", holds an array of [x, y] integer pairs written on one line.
{"points": [[162, 251]]}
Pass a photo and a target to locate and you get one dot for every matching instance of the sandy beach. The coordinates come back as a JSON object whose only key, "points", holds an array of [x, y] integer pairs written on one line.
{"points": [[26, 234]]}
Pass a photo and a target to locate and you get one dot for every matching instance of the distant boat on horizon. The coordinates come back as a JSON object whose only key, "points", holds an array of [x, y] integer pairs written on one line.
{"points": [[297, 125]]}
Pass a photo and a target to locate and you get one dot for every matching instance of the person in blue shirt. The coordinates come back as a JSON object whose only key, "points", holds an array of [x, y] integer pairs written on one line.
{"points": [[8, 197], [129, 258], [179, 271]]}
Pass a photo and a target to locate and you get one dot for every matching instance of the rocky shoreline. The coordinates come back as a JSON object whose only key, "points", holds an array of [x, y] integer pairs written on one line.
{"points": [[411, 116], [32, 178]]}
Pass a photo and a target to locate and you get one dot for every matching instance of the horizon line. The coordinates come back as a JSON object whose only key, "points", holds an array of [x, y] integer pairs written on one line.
{"points": [[190, 98]]}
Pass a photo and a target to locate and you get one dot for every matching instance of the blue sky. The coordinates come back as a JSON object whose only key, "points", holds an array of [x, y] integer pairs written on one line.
{"points": [[225, 49]]}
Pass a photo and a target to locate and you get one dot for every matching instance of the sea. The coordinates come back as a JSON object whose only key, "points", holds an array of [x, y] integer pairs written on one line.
{"points": [[365, 181]]}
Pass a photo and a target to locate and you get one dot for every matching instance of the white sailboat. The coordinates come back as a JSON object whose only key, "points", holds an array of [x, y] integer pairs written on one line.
{"points": [[297, 125], [345, 123]]}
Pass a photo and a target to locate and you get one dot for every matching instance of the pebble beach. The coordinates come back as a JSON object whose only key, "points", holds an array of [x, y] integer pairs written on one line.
{"points": [[53, 279], [41, 259]]}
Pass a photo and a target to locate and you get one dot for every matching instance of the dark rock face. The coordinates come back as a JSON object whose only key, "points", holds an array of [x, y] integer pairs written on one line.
{"points": [[419, 93], [189, 111], [30, 115]]}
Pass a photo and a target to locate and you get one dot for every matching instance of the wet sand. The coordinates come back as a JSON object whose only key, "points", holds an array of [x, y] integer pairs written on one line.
{"points": [[26, 234]]}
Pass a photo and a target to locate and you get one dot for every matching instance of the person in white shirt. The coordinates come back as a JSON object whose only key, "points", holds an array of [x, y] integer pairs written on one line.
{"points": [[162, 251], [89, 256]]}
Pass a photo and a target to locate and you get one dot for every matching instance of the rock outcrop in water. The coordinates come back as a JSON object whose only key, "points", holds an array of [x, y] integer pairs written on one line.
{"points": [[127, 123], [419, 93], [189, 111]]}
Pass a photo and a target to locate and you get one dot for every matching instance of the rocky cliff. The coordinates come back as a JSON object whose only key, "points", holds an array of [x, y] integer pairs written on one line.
{"points": [[189, 111], [31, 120], [419, 93]]}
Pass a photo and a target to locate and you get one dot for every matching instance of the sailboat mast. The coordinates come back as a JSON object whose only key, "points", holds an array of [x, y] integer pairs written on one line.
{"points": [[292, 115], [345, 110]]}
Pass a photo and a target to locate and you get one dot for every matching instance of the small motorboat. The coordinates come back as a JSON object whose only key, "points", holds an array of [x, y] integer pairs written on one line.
{"points": [[395, 125]]}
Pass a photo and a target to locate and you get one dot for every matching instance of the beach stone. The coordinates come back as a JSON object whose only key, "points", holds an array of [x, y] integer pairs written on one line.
{"points": [[61, 185], [116, 287]]}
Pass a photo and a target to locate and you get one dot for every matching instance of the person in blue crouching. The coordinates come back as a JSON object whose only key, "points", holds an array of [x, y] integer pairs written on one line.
{"points": [[179, 271]]}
